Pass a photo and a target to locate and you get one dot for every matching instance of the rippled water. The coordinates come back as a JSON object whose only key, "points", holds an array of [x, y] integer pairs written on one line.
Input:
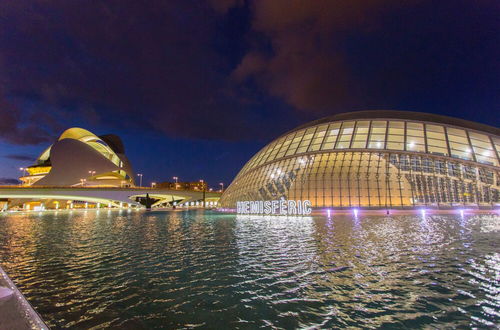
{"points": [[193, 268]]}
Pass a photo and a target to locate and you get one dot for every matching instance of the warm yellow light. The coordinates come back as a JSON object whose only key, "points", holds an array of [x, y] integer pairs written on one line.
{"points": [[38, 170]]}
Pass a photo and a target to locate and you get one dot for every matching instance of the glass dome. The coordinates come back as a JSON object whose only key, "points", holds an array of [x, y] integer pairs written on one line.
{"points": [[376, 159]]}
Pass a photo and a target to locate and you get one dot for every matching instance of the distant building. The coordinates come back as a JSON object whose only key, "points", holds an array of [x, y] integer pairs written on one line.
{"points": [[374, 159], [81, 158], [195, 185]]}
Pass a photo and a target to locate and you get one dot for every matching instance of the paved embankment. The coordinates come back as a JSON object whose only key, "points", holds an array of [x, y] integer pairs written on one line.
{"points": [[15, 310]]}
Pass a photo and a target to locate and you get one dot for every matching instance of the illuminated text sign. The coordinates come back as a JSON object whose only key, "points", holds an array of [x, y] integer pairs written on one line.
{"points": [[277, 207]]}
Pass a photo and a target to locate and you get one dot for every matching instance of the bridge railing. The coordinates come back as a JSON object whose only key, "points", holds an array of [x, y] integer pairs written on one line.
{"points": [[97, 187]]}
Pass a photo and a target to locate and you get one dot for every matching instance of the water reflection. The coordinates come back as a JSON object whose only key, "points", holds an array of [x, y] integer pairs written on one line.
{"points": [[195, 268]]}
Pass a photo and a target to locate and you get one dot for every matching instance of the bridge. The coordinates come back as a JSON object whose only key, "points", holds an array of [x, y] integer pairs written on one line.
{"points": [[53, 197]]}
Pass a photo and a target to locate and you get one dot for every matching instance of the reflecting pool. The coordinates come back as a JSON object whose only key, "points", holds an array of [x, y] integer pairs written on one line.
{"points": [[202, 268]]}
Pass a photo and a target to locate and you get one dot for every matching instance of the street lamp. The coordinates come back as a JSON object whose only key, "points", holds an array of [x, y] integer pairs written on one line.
{"points": [[176, 179], [153, 184], [140, 180], [203, 188], [92, 173], [83, 182], [222, 186]]}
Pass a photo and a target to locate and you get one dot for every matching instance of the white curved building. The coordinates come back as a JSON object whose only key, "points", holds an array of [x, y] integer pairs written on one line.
{"points": [[375, 159], [81, 158]]}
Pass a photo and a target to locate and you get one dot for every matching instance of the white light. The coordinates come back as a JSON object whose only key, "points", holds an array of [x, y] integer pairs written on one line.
{"points": [[468, 150], [379, 144], [411, 145], [486, 153]]}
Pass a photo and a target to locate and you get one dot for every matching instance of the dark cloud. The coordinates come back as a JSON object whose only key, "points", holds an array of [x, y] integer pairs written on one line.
{"points": [[330, 56], [20, 127], [9, 181], [233, 69], [122, 63], [27, 158]]}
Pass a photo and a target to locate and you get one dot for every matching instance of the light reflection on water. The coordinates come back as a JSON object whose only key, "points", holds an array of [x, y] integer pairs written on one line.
{"points": [[195, 268]]}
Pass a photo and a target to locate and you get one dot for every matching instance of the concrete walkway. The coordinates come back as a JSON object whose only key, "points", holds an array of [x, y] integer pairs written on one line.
{"points": [[15, 310]]}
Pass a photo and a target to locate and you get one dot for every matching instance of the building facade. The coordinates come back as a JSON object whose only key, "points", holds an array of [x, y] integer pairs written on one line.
{"points": [[376, 159], [81, 158], [194, 185]]}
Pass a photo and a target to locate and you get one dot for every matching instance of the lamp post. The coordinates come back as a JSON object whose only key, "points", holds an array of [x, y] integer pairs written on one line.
{"points": [[24, 173], [140, 180], [92, 173], [203, 187], [24, 170], [222, 186], [153, 184], [83, 182], [175, 178]]}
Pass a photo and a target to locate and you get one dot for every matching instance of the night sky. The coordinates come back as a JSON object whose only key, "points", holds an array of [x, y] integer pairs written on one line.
{"points": [[195, 88]]}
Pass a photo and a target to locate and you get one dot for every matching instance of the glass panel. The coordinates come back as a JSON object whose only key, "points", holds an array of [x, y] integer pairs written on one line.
{"points": [[377, 135], [361, 135], [415, 129], [436, 140], [434, 128], [344, 139], [331, 136], [395, 137], [379, 127], [483, 149], [396, 128], [318, 138], [459, 144], [295, 143], [497, 145]]}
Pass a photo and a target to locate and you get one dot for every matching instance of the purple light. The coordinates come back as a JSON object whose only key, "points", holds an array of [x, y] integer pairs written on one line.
{"points": [[328, 212], [355, 212], [462, 213], [423, 212]]}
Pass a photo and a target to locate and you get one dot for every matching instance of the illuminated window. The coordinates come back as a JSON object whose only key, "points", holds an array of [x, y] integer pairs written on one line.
{"points": [[295, 143], [377, 134], [395, 137], [483, 149], [415, 137], [459, 144], [436, 140], [344, 139], [361, 134], [331, 136], [306, 140], [318, 138]]}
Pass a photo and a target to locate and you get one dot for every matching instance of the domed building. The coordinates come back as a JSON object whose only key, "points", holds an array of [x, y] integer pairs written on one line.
{"points": [[81, 158], [372, 159]]}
